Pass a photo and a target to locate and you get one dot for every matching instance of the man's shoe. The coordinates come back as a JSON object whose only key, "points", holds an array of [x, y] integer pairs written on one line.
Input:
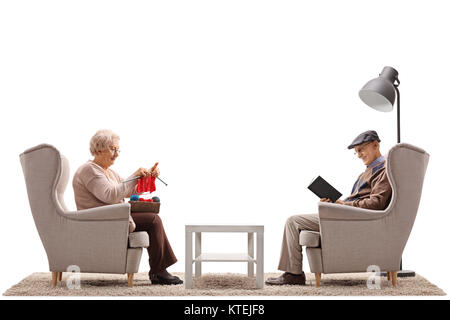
{"points": [[156, 279], [287, 278]]}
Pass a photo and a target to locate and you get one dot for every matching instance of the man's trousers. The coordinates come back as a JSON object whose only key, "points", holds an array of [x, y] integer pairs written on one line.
{"points": [[291, 251]]}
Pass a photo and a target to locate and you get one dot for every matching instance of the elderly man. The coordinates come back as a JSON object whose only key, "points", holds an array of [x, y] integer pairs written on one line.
{"points": [[371, 191]]}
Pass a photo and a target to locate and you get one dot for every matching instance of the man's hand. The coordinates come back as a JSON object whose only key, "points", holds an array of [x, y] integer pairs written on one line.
{"points": [[338, 201]]}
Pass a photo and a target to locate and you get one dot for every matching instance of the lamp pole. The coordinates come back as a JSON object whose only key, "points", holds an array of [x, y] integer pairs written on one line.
{"points": [[401, 272], [398, 108]]}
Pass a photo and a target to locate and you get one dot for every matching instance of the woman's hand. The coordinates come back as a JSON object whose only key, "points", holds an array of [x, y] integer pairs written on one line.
{"points": [[155, 172], [141, 172]]}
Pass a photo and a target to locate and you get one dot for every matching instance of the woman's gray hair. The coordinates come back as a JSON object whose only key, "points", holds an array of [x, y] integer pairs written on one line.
{"points": [[102, 140]]}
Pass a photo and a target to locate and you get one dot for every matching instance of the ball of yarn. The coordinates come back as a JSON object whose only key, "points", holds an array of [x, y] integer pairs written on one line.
{"points": [[155, 199], [134, 197]]}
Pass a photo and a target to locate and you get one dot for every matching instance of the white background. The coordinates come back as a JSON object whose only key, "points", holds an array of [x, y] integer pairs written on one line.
{"points": [[241, 102]]}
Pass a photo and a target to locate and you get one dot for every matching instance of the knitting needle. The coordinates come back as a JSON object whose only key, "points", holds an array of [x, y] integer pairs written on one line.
{"points": [[161, 181], [135, 178], [132, 179], [151, 170]]}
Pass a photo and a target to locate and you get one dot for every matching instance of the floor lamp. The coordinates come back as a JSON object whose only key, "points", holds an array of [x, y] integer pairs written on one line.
{"points": [[380, 93]]}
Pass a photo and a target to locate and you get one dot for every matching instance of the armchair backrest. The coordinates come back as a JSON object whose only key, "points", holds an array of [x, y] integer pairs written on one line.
{"points": [[406, 167], [45, 179]]}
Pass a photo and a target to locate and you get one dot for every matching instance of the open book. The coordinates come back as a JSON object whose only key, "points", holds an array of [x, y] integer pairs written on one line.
{"points": [[323, 189]]}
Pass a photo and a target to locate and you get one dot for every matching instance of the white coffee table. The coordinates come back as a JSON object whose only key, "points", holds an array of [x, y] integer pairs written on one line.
{"points": [[248, 257]]}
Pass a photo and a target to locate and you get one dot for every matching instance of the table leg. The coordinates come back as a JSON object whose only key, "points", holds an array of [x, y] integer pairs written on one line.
{"points": [[260, 259], [198, 252], [251, 254], [188, 261]]}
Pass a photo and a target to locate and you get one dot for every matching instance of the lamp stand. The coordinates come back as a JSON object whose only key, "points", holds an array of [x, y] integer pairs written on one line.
{"points": [[398, 109], [401, 273]]}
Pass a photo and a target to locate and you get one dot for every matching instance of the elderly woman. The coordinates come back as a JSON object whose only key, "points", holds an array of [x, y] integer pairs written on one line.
{"points": [[96, 184]]}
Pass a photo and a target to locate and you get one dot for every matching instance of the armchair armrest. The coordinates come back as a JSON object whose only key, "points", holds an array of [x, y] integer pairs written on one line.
{"points": [[331, 211], [95, 239], [111, 212]]}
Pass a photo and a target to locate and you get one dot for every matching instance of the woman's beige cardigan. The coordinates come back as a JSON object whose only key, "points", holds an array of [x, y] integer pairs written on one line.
{"points": [[94, 186]]}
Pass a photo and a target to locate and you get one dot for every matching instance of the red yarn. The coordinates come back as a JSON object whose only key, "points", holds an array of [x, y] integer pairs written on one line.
{"points": [[152, 186], [146, 184]]}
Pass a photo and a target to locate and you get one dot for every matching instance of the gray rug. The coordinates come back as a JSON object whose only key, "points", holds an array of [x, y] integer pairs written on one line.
{"points": [[229, 284]]}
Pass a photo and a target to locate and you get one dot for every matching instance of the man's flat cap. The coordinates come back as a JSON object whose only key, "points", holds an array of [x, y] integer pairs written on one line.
{"points": [[367, 136]]}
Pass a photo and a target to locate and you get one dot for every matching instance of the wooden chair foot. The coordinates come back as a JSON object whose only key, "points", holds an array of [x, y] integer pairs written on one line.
{"points": [[54, 278], [59, 276], [130, 280], [318, 276], [389, 276], [394, 278]]}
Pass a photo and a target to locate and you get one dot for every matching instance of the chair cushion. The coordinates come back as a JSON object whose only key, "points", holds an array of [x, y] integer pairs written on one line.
{"points": [[310, 238], [138, 240]]}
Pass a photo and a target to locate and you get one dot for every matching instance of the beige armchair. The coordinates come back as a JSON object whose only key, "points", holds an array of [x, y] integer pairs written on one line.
{"points": [[94, 240], [352, 239]]}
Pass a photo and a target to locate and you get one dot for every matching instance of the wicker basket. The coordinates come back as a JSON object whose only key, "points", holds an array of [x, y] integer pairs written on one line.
{"points": [[142, 206]]}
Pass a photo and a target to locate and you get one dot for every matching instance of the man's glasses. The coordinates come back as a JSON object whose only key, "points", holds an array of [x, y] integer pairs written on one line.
{"points": [[362, 148]]}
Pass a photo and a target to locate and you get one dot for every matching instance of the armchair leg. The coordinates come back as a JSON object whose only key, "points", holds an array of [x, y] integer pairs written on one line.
{"points": [[394, 278], [54, 278], [318, 276], [389, 276], [130, 280], [59, 276]]}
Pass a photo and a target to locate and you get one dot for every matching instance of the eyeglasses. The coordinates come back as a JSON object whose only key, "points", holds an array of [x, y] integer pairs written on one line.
{"points": [[362, 148], [114, 150]]}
